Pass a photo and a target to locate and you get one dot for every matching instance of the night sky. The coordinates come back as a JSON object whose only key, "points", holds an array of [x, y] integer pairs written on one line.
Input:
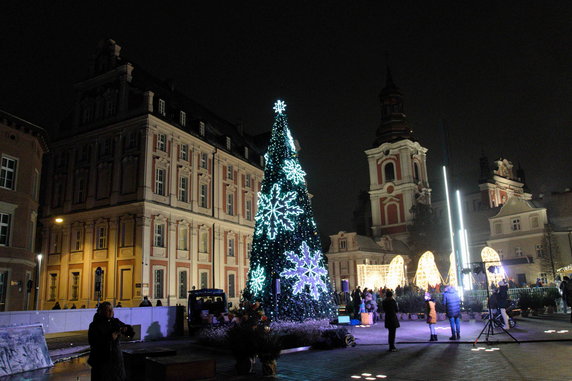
{"points": [[500, 75]]}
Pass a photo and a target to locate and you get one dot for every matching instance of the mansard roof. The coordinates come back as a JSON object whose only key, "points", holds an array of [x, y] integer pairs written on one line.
{"points": [[515, 206]]}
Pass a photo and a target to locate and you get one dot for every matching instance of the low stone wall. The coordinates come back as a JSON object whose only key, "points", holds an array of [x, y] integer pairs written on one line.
{"points": [[155, 322]]}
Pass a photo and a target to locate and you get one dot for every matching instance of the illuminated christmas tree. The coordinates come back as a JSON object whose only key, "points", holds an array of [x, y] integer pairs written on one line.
{"points": [[286, 246]]}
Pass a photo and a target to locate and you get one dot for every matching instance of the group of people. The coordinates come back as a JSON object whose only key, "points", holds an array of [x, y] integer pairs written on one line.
{"points": [[565, 287]]}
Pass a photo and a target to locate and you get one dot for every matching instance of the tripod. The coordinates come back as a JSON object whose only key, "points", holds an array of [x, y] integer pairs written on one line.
{"points": [[489, 328]]}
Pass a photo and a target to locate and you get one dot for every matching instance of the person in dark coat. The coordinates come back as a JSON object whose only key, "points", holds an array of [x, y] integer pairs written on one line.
{"points": [[563, 287], [390, 308], [452, 304], [503, 302], [356, 298], [57, 306], [105, 355], [146, 302], [569, 296]]}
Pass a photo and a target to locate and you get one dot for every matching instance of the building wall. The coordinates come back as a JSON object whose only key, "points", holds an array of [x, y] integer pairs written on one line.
{"points": [[22, 145], [134, 192]]}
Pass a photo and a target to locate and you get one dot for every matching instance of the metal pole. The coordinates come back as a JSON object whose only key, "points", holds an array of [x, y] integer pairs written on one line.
{"points": [[37, 295]]}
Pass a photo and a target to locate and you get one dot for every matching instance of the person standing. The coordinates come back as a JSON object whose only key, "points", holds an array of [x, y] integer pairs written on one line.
{"points": [[391, 322], [452, 304], [431, 313], [502, 302], [569, 295], [105, 355], [563, 287], [146, 302], [356, 299]]}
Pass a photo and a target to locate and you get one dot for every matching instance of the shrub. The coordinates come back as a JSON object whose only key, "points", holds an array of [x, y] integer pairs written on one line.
{"points": [[549, 297], [411, 303]]}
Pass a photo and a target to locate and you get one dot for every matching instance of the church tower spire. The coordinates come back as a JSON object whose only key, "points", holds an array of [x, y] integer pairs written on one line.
{"points": [[394, 125]]}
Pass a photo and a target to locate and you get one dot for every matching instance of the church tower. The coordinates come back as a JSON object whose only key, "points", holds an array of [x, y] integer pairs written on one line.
{"points": [[397, 169]]}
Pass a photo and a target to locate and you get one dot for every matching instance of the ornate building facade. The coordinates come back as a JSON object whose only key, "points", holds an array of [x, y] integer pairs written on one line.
{"points": [[22, 146], [149, 187]]}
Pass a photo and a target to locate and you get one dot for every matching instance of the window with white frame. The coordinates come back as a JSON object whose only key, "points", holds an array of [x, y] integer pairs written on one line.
{"points": [[203, 196], [183, 284], [162, 142], [203, 241], [203, 160], [539, 251], [515, 224], [162, 107], [158, 283], [56, 241], [229, 172], [35, 184], [160, 175], [159, 234], [8, 173], [183, 118], [101, 237], [77, 239], [228, 143], [518, 251], [184, 152], [5, 220], [230, 252], [183, 238], [230, 204], [248, 249], [231, 285], [247, 181], [204, 279], [248, 210], [184, 188], [75, 282], [202, 129], [53, 288]]}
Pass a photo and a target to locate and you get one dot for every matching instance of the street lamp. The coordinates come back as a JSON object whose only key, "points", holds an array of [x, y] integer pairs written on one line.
{"points": [[39, 256], [59, 220]]}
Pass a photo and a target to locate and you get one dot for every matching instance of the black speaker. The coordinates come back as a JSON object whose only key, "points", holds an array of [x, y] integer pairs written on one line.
{"points": [[276, 286], [345, 285]]}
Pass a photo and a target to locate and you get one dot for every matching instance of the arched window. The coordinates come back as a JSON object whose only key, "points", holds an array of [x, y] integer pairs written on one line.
{"points": [[416, 171], [389, 172]]}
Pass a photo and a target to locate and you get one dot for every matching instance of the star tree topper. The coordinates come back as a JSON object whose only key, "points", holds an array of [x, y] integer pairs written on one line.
{"points": [[308, 271], [279, 107], [275, 211]]}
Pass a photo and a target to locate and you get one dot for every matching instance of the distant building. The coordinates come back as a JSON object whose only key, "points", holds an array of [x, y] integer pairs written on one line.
{"points": [[152, 188], [22, 146]]}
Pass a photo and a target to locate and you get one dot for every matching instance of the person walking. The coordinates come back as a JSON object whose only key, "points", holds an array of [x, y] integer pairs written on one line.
{"points": [[431, 313], [105, 355], [502, 302], [391, 322], [452, 304]]}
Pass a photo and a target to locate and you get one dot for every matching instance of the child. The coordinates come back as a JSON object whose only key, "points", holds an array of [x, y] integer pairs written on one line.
{"points": [[431, 315]]}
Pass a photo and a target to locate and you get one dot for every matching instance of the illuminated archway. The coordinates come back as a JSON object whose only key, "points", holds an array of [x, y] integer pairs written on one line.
{"points": [[491, 258], [396, 273], [452, 271], [427, 273]]}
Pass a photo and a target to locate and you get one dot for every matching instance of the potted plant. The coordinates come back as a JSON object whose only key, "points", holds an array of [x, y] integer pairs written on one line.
{"points": [[268, 350]]}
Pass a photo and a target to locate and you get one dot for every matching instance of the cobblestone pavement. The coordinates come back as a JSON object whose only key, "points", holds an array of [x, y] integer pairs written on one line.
{"points": [[543, 354]]}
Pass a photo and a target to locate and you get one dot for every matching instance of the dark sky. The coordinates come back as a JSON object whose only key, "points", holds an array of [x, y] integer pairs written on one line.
{"points": [[499, 73]]}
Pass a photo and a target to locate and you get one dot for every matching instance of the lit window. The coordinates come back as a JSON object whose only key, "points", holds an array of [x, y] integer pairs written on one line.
{"points": [[158, 280], [160, 181], [162, 142], [5, 229], [231, 247], [229, 172], [183, 118], [539, 251], [184, 189], [515, 224], [101, 238], [203, 196], [203, 241], [159, 236], [184, 154], [162, 107], [230, 204], [249, 210], [8, 173]]}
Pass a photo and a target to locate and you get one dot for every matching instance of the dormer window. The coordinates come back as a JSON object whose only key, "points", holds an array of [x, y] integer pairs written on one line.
{"points": [[343, 244], [246, 152], [228, 143], [162, 107], [515, 224], [183, 118], [202, 128]]}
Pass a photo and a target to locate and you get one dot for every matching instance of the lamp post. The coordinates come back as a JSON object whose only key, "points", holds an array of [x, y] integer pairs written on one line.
{"points": [[37, 296]]}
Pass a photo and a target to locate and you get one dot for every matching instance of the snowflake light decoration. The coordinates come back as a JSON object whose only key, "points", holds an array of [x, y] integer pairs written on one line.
{"points": [[308, 271], [257, 279], [279, 107], [294, 171], [275, 210]]}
